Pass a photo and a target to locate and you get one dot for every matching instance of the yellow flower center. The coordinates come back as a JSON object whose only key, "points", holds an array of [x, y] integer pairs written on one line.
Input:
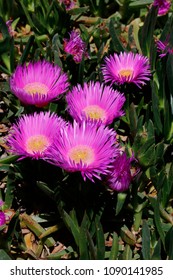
{"points": [[81, 153], [37, 143], [36, 87], [126, 73], [94, 112]]}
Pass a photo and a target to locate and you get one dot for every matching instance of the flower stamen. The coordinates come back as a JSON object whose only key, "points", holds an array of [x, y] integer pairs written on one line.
{"points": [[37, 143], [126, 73], [36, 88], [82, 153], [94, 112]]}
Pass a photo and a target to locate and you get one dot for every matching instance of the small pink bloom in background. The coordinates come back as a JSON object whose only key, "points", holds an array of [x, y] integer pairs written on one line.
{"points": [[1, 203], [164, 48], [38, 83], [163, 5], [86, 147], [95, 101], [33, 134], [120, 178], [69, 4], [2, 215], [126, 68], [2, 218], [75, 46], [10, 29]]}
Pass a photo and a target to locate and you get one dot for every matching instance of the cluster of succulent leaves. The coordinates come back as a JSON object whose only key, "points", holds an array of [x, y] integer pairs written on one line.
{"points": [[55, 215]]}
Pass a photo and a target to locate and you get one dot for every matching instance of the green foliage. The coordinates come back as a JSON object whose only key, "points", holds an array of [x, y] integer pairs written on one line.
{"points": [[4, 255]]}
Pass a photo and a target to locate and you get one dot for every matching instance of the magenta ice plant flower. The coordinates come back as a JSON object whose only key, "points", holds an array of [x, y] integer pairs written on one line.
{"points": [[69, 4], [10, 28], [163, 6], [2, 218], [95, 101], [2, 215], [120, 177], [86, 147], [1, 203], [75, 46], [38, 83], [126, 68], [33, 135], [164, 47]]}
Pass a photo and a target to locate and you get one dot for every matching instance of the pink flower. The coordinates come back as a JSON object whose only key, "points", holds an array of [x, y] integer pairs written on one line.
{"points": [[120, 177], [2, 215], [38, 83], [95, 101], [75, 46], [164, 47], [85, 147], [69, 4], [2, 218], [33, 135], [10, 29], [1, 203], [126, 68], [163, 5]]}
